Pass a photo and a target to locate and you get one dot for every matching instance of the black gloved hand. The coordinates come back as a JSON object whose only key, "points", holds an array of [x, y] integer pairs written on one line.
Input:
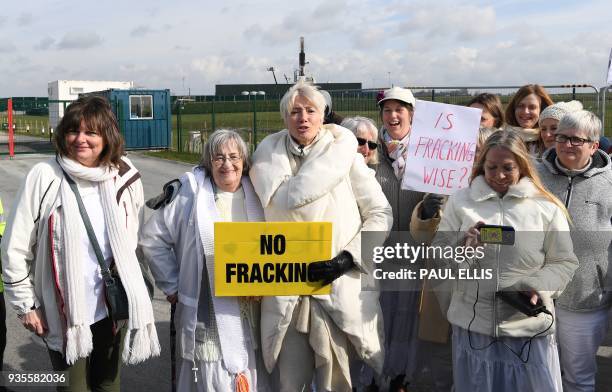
{"points": [[432, 203], [330, 270]]}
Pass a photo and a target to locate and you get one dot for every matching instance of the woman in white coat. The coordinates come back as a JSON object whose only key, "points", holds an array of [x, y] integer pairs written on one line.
{"points": [[311, 172], [217, 337], [50, 269], [496, 347]]}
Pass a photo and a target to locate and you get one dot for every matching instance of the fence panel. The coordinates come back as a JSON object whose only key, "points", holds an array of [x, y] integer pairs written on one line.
{"points": [[32, 131], [606, 109]]}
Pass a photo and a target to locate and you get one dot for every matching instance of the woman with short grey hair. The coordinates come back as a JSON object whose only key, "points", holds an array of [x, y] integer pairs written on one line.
{"points": [[218, 336], [580, 175], [367, 134], [309, 172]]}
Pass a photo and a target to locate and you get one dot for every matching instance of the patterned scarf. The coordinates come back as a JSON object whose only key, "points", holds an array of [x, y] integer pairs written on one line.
{"points": [[398, 152]]}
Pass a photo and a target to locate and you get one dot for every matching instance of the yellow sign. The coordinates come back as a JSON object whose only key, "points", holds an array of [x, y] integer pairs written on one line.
{"points": [[269, 258]]}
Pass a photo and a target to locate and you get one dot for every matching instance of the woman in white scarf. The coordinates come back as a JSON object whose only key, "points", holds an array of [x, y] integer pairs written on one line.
{"points": [[307, 173], [217, 337], [52, 274]]}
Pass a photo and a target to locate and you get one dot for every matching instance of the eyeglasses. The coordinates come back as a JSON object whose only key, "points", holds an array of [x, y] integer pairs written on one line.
{"points": [[219, 160], [574, 140], [371, 145]]}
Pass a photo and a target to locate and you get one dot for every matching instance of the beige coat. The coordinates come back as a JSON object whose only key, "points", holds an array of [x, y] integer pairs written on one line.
{"points": [[333, 184]]}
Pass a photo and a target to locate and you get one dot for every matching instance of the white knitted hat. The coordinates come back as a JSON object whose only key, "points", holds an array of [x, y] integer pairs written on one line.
{"points": [[558, 110]]}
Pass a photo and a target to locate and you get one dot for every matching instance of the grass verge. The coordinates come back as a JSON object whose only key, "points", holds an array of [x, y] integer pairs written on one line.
{"points": [[186, 157]]}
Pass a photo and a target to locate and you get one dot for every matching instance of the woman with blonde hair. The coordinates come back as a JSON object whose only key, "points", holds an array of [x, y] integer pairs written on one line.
{"points": [[495, 346], [311, 172]]}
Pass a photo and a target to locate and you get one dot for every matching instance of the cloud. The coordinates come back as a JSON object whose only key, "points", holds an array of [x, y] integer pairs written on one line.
{"points": [[44, 44], [463, 22], [368, 37], [25, 19], [181, 47], [7, 47], [325, 17], [141, 31], [79, 40]]}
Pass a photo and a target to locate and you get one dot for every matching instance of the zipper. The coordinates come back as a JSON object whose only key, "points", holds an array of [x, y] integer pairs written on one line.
{"points": [[126, 213], [568, 194], [497, 254]]}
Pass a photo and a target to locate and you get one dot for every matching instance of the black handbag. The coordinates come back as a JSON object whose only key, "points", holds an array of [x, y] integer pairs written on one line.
{"points": [[116, 298]]}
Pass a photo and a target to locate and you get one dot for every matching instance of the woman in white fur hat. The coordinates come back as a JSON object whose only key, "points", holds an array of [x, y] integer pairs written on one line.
{"points": [[549, 121]]}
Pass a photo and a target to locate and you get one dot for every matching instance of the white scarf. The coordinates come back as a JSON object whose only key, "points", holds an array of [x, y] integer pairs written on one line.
{"points": [[398, 152], [227, 309], [78, 335]]}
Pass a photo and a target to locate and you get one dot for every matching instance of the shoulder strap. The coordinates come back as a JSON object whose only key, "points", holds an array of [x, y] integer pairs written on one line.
{"points": [[90, 233]]}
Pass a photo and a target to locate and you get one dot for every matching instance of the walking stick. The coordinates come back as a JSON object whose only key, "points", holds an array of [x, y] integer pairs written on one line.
{"points": [[173, 347]]}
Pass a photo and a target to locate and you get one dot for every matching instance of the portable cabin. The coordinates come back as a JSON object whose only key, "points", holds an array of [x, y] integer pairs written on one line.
{"points": [[143, 115], [61, 92]]}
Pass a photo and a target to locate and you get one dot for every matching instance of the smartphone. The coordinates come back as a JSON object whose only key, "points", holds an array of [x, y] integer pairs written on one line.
{"points": [[521, 302], [495, 234]]}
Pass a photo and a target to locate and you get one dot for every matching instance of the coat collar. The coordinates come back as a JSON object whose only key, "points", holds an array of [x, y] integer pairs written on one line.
{"points": [[601, 163], [327, 163], [480, 190]]}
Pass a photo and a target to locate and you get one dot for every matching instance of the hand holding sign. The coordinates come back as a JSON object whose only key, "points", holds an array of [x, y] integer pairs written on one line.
{"points": [[442, 145]]}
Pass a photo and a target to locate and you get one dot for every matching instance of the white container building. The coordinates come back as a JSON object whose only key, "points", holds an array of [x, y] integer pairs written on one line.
{"points": [[69, 90]]}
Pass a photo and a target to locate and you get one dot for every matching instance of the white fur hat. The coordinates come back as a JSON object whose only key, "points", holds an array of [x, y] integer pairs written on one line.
{"points": [[558, 110]]}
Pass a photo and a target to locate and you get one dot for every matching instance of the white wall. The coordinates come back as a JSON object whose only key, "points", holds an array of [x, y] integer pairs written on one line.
{"points": [[69, 90]]}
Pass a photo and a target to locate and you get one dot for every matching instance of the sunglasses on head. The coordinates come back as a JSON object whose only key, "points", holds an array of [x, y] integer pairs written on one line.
{"points": [[371, 145]]}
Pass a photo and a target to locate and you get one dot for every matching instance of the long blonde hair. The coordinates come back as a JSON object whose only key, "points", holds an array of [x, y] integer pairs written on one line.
{"points": [[511, 141]]}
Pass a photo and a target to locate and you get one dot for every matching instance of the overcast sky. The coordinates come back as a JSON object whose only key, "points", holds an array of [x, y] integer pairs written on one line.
{"points": [[182, 44]]}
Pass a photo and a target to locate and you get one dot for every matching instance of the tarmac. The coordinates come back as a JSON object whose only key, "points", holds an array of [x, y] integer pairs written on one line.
{"points": [[26, 352]]}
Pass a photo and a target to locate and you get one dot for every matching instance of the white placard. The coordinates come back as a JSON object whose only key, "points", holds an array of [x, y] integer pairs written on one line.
{"points": [[441, 149], [609, 81]]}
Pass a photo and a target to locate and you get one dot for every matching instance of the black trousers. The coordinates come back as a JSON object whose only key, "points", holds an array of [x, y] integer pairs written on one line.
{"points": [[101, 370]]}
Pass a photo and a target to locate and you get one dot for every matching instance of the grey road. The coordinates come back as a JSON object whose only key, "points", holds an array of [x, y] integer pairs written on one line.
{"points": [[24, 351], [25, 144]]}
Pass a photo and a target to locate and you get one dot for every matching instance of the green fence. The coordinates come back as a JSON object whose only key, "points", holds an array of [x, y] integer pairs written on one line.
{"points": [[255, 118], [33, 123]]}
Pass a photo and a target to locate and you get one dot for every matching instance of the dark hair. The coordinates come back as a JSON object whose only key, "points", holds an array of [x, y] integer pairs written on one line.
{"points": [[408, 106], [491, 104], [98, 116], [524, 91]]}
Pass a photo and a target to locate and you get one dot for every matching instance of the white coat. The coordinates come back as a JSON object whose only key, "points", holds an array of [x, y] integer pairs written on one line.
{"points": [[33, 243], [333, 184], [541, 259]]}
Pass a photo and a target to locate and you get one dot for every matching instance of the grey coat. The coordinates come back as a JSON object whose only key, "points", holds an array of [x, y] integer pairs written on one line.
{"points": [[588, 199], [402, 201]]}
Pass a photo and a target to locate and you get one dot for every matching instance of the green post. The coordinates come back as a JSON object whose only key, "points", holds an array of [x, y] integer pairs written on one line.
{"points": [[254, 123], [179, 127], [213, 119]]}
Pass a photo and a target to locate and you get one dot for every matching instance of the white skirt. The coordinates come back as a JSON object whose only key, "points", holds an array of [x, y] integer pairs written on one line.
{"points": [[496, 368]]}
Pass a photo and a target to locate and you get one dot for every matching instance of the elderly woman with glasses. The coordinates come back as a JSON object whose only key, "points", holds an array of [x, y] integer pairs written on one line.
{"points": [[580, 175], [311, 172], [217, 336], [366, 133]]}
